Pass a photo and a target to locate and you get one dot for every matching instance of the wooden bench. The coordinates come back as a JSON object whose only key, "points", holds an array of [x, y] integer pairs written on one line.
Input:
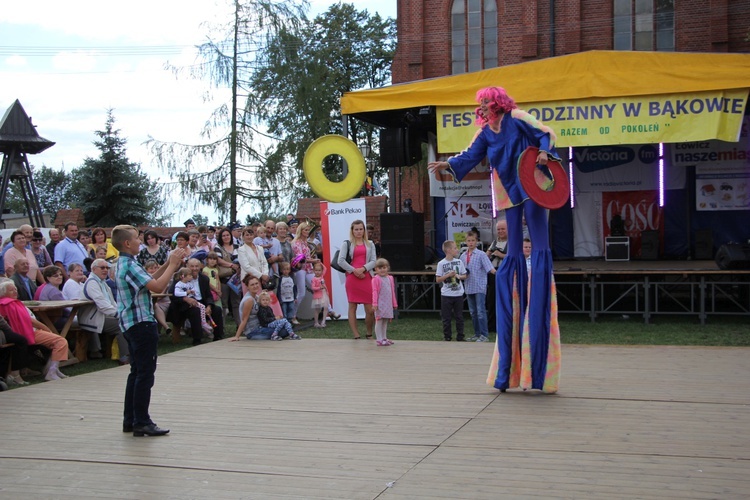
{"points": [[82, 344]]}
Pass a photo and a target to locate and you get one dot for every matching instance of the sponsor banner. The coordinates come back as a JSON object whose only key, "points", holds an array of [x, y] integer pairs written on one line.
{"points": [[702, 153], [722, 188], [623, 168], [335, 220], [670, 118], [722, 171], [468, 212], [475, 183], [640, 212]]}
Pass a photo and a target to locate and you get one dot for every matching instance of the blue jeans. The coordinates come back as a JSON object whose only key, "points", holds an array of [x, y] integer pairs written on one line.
{"points": [[260, 333], [142, 339], [478, 313], [289, 310]]}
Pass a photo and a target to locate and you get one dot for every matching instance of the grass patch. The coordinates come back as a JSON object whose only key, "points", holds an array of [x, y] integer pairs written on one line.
{"points": [[575, 329], [94, 365]]}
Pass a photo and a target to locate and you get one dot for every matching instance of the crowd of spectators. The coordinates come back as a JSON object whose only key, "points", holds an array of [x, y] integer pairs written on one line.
{"points": [[70, 263]]}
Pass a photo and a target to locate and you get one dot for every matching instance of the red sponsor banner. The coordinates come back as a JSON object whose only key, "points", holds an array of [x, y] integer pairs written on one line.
{"points": [[640, 211]]}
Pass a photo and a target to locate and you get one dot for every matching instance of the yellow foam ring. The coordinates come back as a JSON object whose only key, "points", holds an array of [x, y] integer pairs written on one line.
{"points": [[312, 166]]}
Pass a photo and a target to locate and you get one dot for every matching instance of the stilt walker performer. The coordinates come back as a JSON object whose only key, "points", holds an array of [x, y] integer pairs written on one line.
{"points": [[527, 349]]}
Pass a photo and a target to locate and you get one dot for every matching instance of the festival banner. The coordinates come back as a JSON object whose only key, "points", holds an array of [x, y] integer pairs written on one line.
{"points": [[335, 220], [686, 117], [465, 213]]}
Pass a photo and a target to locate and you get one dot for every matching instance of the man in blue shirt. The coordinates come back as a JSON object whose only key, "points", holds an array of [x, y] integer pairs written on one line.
{"points": [[70, 250]]}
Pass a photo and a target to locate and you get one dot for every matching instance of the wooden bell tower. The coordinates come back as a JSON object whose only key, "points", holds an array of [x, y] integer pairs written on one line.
{"points": [[18, 139]]}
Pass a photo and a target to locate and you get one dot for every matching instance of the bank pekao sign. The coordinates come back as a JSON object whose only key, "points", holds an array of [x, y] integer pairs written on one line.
{"points": [[335, 221]]}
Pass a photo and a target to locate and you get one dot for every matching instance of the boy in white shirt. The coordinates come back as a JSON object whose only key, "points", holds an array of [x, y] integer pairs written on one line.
{"points": [[451, 272]]}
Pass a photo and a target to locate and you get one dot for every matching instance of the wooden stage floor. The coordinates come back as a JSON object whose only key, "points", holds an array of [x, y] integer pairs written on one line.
{"points": [[345, 419]]}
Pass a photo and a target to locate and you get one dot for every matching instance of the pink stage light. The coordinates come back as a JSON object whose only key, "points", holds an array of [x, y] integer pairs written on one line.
{"points": [[492, 191], [661, 174], [570, 176]]}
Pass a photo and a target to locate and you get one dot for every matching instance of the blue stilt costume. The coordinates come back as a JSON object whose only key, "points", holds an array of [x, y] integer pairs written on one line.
{"points": [[527, 349]]}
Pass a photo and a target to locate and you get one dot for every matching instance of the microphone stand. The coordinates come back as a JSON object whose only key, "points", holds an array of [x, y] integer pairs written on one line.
{"points": [[445, 215], [448, 210]]}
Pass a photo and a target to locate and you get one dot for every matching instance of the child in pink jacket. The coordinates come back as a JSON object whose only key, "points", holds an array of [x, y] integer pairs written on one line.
{"points": [[383, 301]]}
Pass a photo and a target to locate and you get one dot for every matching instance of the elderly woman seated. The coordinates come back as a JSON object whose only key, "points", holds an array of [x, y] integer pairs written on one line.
{"points": [[22, 321], [14, 356], [50, 290]]}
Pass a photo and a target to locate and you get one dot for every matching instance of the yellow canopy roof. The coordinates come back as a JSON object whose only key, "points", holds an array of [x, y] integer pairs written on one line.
{"points": [[576, 76]]}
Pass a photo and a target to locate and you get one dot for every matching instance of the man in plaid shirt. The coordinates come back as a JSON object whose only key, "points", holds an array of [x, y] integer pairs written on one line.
{"points": [[136, 313]]}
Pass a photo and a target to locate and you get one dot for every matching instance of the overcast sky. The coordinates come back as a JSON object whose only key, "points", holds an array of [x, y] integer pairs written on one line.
{"points": [[67, 62]]}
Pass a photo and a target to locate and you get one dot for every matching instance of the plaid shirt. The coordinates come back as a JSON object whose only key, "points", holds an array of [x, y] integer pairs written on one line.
{"points": [[478, 267], [133, 298]]}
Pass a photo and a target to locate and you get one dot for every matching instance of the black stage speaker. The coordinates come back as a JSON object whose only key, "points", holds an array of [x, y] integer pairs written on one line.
{"points": [[392, 147], [402, 240], [413, 147], [733, 256], [704, 244], [649, 245], [399, 147]]}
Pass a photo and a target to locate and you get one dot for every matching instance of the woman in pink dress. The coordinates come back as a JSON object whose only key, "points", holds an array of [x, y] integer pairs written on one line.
{"points": [[358, 264]]}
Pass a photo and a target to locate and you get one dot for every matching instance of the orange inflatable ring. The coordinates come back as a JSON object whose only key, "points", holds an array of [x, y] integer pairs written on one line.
{"points": [[548, 192], [350, 185]]}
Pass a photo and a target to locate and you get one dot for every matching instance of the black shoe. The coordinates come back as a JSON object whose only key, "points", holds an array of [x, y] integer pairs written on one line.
{"points": [[447, 339], [149, 430], [461, 339], [127, 427], [196, 342]]}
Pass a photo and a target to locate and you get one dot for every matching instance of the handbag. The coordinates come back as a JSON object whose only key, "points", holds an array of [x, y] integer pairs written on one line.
{"points": [[225, 272], [298, 262], [271, 284], [335, 259]]}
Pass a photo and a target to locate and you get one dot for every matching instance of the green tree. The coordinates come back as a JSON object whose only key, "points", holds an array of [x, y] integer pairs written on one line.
{"points": [[53, 188], [301, 78], [230, 166], [111, 189], [200, 220]]}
